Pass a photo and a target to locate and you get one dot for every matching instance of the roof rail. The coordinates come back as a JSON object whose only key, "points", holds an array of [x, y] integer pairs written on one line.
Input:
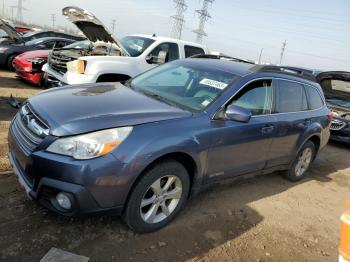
{"points": [[222, 57], [296, 71]]}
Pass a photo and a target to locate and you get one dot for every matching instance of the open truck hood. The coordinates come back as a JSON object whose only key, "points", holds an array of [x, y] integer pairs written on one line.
{"points": [[91, 27], [10, 31]]}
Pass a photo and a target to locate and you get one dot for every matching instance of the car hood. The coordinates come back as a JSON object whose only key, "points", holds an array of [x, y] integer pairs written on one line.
{"points": [[85, 108], [35, 54], [10, 31], [91, 27]]}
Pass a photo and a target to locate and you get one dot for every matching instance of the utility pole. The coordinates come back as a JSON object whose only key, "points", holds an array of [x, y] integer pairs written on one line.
{"points": [[12, 12], [3, 8], [261, 51], [178, 18], [53, 19], [204, 16], [282, 50], [113, 26], [20, 10]]}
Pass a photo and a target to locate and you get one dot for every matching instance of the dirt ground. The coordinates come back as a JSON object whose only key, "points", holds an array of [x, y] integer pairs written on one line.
{"points": [[262, 219]]}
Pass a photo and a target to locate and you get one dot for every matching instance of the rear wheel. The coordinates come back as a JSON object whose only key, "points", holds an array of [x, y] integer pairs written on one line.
{"points": [[158, 197], [301, 164]]}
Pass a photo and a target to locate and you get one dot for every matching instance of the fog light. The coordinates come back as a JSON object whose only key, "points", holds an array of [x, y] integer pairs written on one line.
{"points": [[64, 201]]}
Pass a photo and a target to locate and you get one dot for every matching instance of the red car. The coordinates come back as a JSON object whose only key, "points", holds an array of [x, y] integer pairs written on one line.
{"points": [[28, 65]]}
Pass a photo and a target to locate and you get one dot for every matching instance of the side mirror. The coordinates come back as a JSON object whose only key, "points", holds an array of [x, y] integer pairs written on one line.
{"points": [[237, 113]]}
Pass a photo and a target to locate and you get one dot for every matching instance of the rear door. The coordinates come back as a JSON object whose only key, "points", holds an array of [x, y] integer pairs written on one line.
{"points": [[292, 120], [240, 148]]}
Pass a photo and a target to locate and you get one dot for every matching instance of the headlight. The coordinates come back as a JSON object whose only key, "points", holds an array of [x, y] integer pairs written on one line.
{"points": [[90, 145], [37, 60], [76, 66]]}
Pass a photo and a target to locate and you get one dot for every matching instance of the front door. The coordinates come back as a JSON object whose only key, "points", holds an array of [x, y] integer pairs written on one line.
{"points": [[240, 148]]}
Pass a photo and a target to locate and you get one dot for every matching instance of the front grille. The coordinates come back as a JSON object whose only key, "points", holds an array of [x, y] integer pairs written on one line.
{"points": [[337, 124], [25, 129], [58, 62]]}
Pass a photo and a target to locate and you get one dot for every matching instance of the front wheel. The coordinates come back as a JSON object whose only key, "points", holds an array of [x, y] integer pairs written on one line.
{"points": [[10, 62], [158, 197], [301, 164]]}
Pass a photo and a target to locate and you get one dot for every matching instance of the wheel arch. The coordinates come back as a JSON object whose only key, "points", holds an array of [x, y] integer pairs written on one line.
{"points": [[183, 158]]}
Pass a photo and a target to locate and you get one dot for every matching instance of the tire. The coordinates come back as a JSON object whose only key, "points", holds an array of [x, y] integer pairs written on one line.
{"points": [[10, 61], [170, 172], [300, 165]]}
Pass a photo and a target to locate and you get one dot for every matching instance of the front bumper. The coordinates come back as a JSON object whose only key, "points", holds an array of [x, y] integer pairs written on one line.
{"points": [[47, 189], [342, 134], [68, 78]]}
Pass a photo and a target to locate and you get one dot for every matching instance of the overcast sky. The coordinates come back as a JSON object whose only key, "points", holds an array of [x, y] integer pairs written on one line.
{"points": [[317, 31]]}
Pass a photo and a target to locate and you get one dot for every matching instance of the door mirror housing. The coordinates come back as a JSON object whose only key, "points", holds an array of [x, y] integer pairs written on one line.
{"points": [[237, 113], [160, 59]]}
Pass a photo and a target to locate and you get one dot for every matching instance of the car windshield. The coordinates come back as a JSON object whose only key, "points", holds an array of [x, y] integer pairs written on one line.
{"points": [[136, 45], [35, 41], [86, 44], [189, 86]]}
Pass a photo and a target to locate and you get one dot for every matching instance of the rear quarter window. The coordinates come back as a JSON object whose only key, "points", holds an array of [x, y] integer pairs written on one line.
{"points": [[290, 97], [314, 97], [192, 50]]}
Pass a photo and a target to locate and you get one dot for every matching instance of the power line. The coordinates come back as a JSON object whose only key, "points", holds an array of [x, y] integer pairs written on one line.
{"points": [[178, 19], [204, 16]]}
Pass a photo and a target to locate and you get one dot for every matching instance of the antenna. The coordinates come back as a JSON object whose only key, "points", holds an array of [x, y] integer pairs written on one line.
{"points": [[204, 16], [178, 18]]}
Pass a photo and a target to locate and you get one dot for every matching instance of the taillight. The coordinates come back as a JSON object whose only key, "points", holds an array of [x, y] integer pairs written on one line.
{"points": [[330, 116]]}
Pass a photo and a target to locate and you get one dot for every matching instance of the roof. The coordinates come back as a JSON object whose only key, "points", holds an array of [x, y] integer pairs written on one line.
{"points": [[242, 68], [236, 68], [162, 38]]}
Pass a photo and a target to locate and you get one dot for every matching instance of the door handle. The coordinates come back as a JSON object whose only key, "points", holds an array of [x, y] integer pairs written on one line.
{"points": [[267, 129]]}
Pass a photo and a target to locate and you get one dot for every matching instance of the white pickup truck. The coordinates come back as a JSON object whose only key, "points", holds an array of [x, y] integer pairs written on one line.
{"points": [[109, 60]]}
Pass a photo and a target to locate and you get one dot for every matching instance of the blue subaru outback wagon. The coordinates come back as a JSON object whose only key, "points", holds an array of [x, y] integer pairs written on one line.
{"points": [[141, 148]]}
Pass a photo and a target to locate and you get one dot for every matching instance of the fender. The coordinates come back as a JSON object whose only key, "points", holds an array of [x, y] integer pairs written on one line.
{"points": [[313, 129]]}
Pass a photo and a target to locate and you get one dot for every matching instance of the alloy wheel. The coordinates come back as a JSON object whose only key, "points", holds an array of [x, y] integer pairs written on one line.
{"points": [[304, 161], [161, 199]]}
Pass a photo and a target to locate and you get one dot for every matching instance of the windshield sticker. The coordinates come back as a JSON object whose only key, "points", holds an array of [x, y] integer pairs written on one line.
{"points": [[205, 103], [213, 83]]}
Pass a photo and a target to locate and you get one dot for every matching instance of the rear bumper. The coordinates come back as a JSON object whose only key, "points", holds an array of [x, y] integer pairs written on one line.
{"points": [[47, 189]]}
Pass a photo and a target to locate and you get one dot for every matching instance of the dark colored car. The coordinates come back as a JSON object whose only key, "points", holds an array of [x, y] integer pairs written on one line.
{"points": [[8, 52], [336, 88], [141, 148]]}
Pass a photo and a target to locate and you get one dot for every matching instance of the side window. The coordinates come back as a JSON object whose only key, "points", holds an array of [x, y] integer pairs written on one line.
{"points": [[256, 97], [49, 45], [61, 44], [170, 50], [315, 100], [290, 97], [192, 50]]}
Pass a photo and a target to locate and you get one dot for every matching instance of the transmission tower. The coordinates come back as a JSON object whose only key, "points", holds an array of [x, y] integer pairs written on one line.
{"points": [[178, 18], [282, 50], [20, 10], [113, 26], [204, 16], [53, 19]]}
